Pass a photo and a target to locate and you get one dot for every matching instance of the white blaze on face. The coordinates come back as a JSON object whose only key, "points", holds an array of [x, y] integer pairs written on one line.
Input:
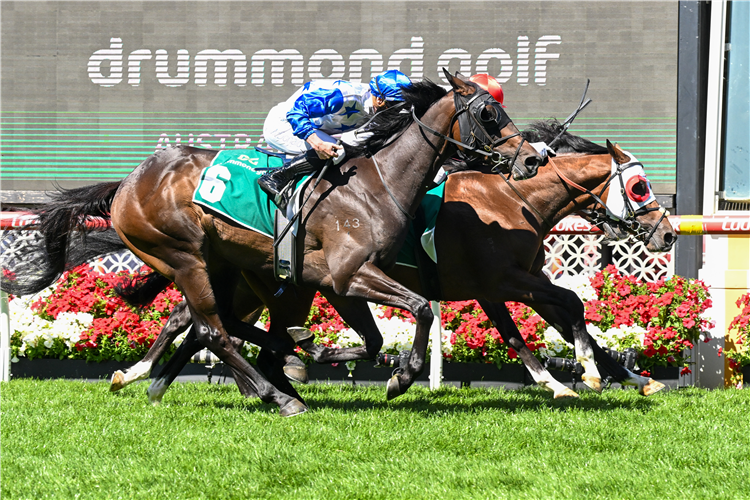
{"points": [[631, 187]]}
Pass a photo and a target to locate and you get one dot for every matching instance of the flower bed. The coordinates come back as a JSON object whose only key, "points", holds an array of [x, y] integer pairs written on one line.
{"points": [[82, 318], [739, 358]]}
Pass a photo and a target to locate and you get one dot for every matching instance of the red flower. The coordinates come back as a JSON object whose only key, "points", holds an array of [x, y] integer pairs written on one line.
{"points": [[685, 371]]}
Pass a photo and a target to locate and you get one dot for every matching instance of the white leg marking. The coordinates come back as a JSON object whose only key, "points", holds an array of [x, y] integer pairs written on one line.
{"points": [[156, 391]]}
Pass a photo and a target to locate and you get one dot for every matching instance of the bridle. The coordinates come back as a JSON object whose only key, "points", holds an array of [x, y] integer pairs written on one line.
{"points": [[479, 118], [476, 125], [601, 214]]}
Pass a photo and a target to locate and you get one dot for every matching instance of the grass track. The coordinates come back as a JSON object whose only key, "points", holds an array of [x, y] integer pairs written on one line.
{"points": [[65, 439]]}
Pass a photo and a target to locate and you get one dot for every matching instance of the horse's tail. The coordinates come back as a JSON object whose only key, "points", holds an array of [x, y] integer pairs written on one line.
{"points": [[142, 290], [32, 264]]}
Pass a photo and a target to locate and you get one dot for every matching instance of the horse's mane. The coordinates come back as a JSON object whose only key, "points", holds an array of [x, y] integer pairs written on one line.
{"points": [[395, 119], [547, 130]]}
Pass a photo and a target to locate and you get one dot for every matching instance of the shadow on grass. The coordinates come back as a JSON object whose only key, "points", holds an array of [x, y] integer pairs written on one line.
{"points": [[444, 401], [507, 401]]}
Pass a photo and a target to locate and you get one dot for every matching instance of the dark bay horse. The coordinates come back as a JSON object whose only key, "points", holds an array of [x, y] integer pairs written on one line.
{"points": [[206, 255], [489, 243]]}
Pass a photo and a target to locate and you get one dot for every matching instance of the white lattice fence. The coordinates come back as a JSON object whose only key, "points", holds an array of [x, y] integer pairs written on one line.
{"points": [[582, 255], [566, 255]]}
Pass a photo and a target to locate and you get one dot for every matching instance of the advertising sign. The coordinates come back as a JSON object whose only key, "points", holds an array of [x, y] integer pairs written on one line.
{"points": [[90, 89]]}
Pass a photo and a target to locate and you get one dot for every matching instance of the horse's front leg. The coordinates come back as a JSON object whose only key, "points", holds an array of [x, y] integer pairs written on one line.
{"points": [[536, 291], [502, 320], [560, 318], [356, 313], [373, 285], [573, 329]]}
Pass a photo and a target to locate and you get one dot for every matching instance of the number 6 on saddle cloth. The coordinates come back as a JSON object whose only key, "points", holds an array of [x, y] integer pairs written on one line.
{"points": [[229, 188]]}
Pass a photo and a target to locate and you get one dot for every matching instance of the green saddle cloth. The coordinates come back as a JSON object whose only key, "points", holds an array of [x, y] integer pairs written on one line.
{"points": [[423, 234], [229, 186]]}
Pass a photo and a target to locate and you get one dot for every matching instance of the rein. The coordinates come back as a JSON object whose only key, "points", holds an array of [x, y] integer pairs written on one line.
{"points": [[380, 174], [630, 220]]}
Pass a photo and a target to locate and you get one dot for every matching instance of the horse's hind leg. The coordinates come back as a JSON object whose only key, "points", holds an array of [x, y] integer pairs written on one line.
{"points": [[208, 304], [179, 321], [172, 368], [501, 318], [371, 283]]}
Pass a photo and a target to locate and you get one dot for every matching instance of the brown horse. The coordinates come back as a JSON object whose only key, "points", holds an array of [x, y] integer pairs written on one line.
{"points": [[489, 243], [206, 255]]}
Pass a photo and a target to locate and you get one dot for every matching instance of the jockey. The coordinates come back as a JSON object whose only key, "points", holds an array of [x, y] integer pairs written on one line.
{"points": [[304, 123]]}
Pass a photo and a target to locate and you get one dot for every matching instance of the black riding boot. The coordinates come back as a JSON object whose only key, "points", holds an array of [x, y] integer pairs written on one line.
{"points": [[275, 182]]}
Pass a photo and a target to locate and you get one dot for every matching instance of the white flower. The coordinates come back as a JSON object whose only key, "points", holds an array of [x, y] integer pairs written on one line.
{"points": [[555, 344], [349, 338], [578, 284]]}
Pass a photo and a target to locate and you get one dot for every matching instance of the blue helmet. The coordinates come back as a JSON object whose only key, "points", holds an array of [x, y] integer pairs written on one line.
{"points": [[388, 85]]}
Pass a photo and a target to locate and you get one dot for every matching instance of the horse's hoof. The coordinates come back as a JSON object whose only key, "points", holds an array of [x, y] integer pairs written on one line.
{"points": [[118, 381], [393, 389], [299, 334], [651, 388], [566, 393], [592, 382], [293, 408], [296, 373]]}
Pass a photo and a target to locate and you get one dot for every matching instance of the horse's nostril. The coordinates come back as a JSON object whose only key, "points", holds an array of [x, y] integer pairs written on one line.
{"points": [[533, 161]]}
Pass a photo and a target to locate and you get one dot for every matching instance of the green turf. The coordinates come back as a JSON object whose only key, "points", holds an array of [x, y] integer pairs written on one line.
{"points": [[64, 439]]}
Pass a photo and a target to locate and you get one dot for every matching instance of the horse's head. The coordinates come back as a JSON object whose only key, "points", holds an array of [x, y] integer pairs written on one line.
{"points": [[485, 131], [631, 205]]}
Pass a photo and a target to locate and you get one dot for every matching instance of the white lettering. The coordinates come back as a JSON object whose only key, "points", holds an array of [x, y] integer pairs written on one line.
{"points": [[355, 64], [506, 63], [522, 76], [112, 54], [241, 141], [183, 68], [464, 62], [221, 58], [486, 62], [541, 56], [316, 62], [415, 54], [277, 58], [134, 65]]}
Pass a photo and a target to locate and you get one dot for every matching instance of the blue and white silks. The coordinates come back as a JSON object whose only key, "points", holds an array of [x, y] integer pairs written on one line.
{"points": [[330, 106]]}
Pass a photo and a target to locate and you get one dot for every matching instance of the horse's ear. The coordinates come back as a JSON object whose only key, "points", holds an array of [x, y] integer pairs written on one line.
{"points": [[616, 153], [457, 82]]}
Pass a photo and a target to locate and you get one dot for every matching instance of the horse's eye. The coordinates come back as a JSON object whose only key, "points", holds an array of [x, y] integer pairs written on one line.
{"points": [[488, 114]]}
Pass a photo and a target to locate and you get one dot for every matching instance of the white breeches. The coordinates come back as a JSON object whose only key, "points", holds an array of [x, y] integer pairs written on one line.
{"points": [[277, 131]]}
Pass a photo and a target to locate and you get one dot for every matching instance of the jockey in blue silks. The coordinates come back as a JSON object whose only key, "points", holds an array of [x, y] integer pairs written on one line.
{"points": [[304, 123]]}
